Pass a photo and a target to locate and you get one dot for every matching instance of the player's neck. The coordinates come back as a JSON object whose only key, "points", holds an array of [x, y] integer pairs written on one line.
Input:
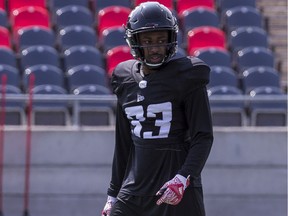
{"points": [[145, 71]]}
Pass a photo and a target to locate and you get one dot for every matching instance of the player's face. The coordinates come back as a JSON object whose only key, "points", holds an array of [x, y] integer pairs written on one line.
{"points": [[154, 45]]}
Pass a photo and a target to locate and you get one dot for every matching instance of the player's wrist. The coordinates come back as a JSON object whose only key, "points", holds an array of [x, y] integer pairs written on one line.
{"points": [[111, 199], [185, 181]]}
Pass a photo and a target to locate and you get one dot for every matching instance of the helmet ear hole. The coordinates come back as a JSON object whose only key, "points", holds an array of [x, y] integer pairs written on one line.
{"points": [[148, 17]]}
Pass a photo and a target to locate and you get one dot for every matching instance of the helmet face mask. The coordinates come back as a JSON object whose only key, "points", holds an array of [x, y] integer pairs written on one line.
{"points": [[150, 17]]}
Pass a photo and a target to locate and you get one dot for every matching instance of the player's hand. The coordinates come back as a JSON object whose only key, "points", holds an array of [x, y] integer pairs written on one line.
{"points": [[108, 206], [172, 191]]}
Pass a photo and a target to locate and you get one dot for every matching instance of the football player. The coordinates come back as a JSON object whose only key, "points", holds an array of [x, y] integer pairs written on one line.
{"points": [[163, 122]]}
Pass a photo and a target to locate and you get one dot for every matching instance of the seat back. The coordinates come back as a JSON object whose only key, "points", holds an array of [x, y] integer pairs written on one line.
{"points": [[198, 16], [112, 37], [73, 15], [44, 75], [86, 75], [259, 76], [223, 76], [205, 36], [214, 56], [34, 35], [253, 56], [224, 5], [168, 3], [8, 57], [12, 75], [3, 18], [76, 35], [5, 37], [112, 16], [29, 16], [241, 16], [115, 56], [100, 4], [15, 4], [56, 4], [35, 55], [182, 5], [247, 36], [82, 55]]}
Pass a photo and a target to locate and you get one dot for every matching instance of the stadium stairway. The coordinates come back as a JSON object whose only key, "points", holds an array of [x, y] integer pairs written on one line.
{"points": [[275, 13]]}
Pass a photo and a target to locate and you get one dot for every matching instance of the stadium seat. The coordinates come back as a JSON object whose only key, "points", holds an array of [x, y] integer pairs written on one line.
{"points": [[223, 76], [224, 5], [29, 16], [44, 75], [112, 37], [50, 113], [181, 39], [54, 5], [86, 75], [94, 113], [214, 56], [228, 113], [268, 113], [168, 3], [198, 16], [82, 55], [14, 110], [247, 36], [100, 4], [5, 37], [182, 5], [253, 56], [180, 53], [8, 57], [3, 4], [112, 16], [115, 56], [3, 18], [35, 55], [15, 4], [75, 35], [205, 36], [73, 15], [34, 35], [241, 16], [259, 76], [12, 74]]}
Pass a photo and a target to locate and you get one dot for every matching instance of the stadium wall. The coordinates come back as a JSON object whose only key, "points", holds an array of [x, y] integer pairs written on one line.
{"points": [[246, 173]]}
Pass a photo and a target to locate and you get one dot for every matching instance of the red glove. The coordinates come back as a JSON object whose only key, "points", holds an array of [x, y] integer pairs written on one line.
{"points": [[108, 206], [172, 191]]}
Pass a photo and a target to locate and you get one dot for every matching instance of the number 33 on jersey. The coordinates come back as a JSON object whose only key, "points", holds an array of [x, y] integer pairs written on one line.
{"points": [[160, 114]]}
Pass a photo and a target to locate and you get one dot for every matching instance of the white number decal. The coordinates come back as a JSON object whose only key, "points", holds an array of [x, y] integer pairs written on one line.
{"points": [[162, 120]]}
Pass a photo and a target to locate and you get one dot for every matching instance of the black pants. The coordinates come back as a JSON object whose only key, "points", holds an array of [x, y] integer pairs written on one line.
{"points": [[191, 205]]}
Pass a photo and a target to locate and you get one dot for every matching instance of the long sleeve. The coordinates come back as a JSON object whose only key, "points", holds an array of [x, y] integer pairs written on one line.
{"points": [[198, 116], [123, 145]]}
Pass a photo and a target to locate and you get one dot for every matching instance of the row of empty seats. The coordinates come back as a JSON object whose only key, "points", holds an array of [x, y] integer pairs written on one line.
{"points": [[72, 46]]}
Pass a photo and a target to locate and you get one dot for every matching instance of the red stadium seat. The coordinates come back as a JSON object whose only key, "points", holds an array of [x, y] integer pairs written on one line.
{"points": [[112, 16], [182, 5], [167, 3], [117, 55], [2, 4], [5, 37], [15, 4], [205, 37], [29, 16]]}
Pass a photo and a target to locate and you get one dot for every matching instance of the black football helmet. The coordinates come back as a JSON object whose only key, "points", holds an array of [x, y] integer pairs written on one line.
{"points": [[147, 17]]}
